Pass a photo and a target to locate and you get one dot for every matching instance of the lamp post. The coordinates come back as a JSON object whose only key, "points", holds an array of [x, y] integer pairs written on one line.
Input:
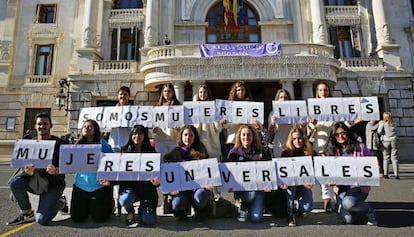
{"points": [[62, 98]]}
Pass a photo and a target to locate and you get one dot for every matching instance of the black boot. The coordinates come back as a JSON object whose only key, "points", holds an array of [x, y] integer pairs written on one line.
{"points": [[291, 217]]}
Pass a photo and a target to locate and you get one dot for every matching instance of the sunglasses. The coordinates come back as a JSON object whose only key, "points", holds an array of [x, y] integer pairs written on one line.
{"points": [[342, 134]]}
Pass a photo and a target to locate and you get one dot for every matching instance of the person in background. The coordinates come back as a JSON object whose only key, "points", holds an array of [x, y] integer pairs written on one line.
{"points": [[387, 131], [373, 143], [352, 207], [189, 148], [118, 136], [247, 148], [51, 201], [165, 138], [91, 196], [143, 191], [297, 144]]}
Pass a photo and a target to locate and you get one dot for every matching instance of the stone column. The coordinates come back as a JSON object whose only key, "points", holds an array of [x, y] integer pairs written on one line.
{"points": [[288, 85], [318, 22], [179, 90], [151, 23], [89, 24], [381, 24], [307, 91]]}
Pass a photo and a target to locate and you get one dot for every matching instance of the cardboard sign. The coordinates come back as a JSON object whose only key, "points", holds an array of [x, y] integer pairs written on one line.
{"points": [[129, 166], [79, 157], [247, 176], [294, 171], [189, 175], [346, 170], [32, 152], [290, 111]]}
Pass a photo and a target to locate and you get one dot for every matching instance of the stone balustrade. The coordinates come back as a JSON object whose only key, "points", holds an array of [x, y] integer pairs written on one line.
{"points": [[362, 63], [115, 67], [342, 15], [38, 80]]}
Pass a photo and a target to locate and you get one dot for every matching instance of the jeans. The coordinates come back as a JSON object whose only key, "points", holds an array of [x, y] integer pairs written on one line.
{"points": [[253, 202], [49, 203], [351, 203], [127, 199], [303, 195], [183, 200]]}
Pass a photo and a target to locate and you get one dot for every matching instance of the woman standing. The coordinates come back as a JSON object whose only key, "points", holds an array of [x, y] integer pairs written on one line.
{"points": [[189, 148], [279, 131], [386, 129], [90, 196], [248, 147], [143, 191], [209, 132], [297, 144], [351, 199], [165, 138]]}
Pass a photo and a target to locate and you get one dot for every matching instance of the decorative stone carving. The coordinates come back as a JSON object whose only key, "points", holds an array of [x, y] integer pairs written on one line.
{"points": [[148, 38], [89, 36], [186, 8], [5, 48]]}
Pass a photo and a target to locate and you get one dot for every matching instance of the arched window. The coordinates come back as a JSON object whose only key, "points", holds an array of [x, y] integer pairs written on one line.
{"points": [[248, 30]]}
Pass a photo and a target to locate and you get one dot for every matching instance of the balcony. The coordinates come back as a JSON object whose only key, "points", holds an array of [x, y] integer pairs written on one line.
{"points": [[362, 64], [108, 67], [342, 15], [38, 80], [126, 18], [184, 63]]}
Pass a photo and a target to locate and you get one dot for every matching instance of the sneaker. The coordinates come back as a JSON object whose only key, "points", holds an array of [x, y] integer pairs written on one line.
{"points": [[291, 221], [242, 216], [130, 218], [372, 220], [386, 176], [22, 218], [397, 177], [65, 208]]}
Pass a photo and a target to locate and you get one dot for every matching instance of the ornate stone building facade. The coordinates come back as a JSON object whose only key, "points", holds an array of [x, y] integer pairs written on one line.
{"points": [[359, 48]]}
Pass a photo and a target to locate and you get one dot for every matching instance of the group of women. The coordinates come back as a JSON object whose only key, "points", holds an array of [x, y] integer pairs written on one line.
{"points": [[241, 143]]}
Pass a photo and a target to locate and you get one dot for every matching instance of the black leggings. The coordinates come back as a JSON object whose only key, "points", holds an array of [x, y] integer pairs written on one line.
{"points": [[98, 204]]}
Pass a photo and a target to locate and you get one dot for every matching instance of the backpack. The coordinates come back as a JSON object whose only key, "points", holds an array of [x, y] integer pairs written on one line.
{"points": [[221, 207]]}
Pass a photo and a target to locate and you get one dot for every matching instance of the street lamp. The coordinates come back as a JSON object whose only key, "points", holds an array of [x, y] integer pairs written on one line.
{"points": [[62, 98]]}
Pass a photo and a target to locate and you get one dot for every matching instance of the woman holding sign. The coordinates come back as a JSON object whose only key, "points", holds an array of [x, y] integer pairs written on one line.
{"points": [[279, 131], [165, 138], [320, 132], [351, 199], [209, 132], [143, 191], [238, 92], [90, 196], [189, 148], [248, 147], [297, 144]]}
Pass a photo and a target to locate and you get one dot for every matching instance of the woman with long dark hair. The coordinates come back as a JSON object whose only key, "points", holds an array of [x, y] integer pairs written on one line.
{"points": [[352, 207], [143, 191]]}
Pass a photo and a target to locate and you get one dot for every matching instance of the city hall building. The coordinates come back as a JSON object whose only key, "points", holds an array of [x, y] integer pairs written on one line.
{"points": [[59, 56]]}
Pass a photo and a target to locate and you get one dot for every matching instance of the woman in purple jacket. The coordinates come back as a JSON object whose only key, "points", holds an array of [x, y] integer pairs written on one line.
{"points": [[351, 199]]}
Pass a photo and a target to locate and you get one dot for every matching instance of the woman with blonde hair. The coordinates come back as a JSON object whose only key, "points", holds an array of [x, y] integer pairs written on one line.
{"points": [[386, 130]]}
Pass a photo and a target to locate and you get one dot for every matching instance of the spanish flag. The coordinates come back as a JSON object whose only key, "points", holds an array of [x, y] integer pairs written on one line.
{"points": [[226, 15]]}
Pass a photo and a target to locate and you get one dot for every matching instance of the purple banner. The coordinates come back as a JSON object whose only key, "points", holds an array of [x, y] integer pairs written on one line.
{"points": [[254, 50]]}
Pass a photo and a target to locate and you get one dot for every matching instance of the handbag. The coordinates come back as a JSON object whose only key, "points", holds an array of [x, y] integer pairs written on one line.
{"points": [[37, 183]]}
